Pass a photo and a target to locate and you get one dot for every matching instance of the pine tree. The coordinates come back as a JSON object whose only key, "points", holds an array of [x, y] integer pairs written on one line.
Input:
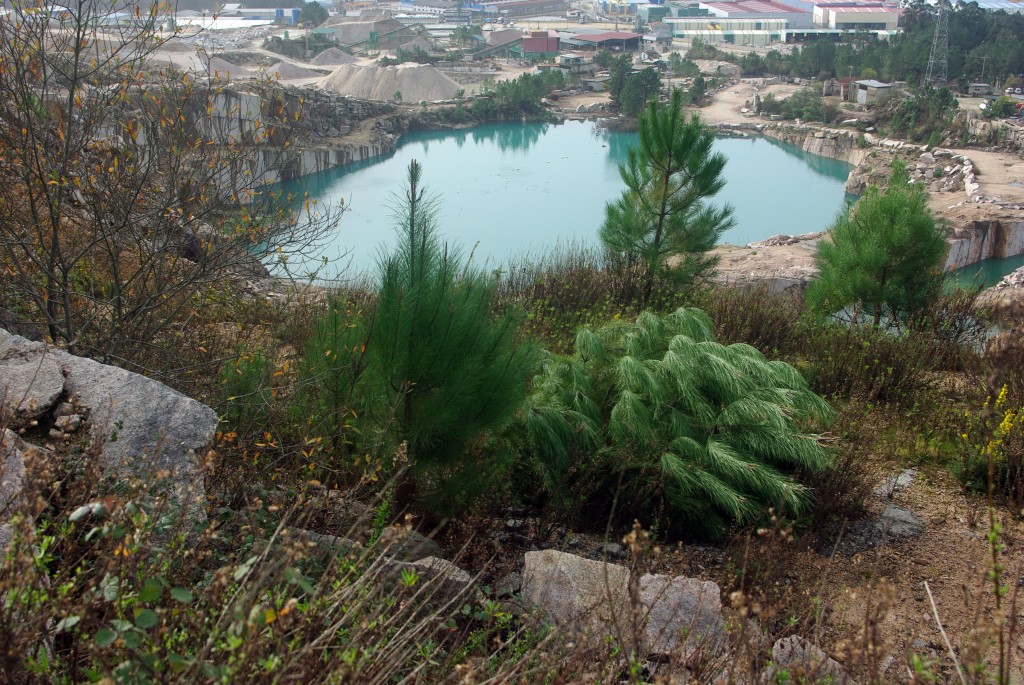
{"points": [[884, 255], [663, 213], [707, 433], [437, 353]]}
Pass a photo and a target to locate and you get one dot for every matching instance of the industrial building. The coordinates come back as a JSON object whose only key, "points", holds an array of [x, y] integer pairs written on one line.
{"points": [[602, 40], [484, 12], [736, 22], [870, 92], [795, 16], [1008, 6], [762, 22], [731, 31], [288, 16], [854, 16]]}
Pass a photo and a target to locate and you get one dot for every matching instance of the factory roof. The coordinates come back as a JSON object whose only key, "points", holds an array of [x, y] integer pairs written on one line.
{"points": [[751, 6]]}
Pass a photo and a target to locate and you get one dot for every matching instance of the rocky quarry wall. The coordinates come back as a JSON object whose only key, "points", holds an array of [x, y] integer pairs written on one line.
{"points": [[343, 130], [1005, 133], [319, 144], [939, 170]]}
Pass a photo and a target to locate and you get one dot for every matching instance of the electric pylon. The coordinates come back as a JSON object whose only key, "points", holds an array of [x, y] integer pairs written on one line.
{"points": [[938, 60]]}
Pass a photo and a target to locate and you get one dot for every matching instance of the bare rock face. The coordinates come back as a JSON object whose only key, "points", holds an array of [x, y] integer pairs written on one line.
{"points": [[146, 431], [680, 618], [446, 582], [804, 662], [1005, 297], [408, 545], [12, 481], [16, 459], [584, 595], [684, 617], [30, 377]]}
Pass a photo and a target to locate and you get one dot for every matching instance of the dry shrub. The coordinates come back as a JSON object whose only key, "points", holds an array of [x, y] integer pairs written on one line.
{"points": [[956, 330], [753, 315], [112, 583], [867, 364]]}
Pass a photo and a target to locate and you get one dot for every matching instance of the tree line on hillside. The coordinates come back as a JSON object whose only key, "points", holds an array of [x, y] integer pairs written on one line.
{"points": [[979, 41]]}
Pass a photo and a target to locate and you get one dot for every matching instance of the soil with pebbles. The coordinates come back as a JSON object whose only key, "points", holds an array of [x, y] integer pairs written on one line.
{"points": [[415, 82]]}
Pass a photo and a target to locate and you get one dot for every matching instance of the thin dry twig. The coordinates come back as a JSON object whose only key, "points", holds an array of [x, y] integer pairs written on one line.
{"points": [[945, 638]]}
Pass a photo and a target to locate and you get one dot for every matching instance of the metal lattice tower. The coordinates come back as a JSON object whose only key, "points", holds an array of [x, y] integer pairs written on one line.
{"points": [[938, 60]]}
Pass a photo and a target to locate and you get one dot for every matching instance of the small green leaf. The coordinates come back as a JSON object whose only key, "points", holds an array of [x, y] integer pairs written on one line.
{"points": [[177, 662], [146, 619], [120, 625], [67, 623], [105, 637], [109, 586], [132, 639], [295, 577], [182, 595], [151, 590], [244, 568]]}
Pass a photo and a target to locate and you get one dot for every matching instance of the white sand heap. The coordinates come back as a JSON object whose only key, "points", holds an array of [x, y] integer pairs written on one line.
{"points": [[224, 68], [194, 63], [414, 81], [332, 57], [286, 72]]}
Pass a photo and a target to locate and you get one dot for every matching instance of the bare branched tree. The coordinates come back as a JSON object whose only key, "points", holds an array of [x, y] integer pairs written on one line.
{"points": [[128, 188]]}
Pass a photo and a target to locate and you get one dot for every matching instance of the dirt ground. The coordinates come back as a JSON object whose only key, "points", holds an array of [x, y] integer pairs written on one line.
{"points": [[999, 174], [951, 556], [726, 105]]}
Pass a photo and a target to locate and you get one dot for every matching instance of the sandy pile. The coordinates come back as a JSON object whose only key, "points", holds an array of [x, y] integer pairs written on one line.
{"points": [[286, 72], [414, 81], [332, 57], [218, 65], [194, 63]]}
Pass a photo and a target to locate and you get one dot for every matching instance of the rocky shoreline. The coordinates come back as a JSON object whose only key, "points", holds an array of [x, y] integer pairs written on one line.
{"points": [[352, 131]]}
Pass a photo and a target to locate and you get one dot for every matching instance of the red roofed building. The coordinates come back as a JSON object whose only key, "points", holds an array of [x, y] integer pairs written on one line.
{"points": [[541, 45]]}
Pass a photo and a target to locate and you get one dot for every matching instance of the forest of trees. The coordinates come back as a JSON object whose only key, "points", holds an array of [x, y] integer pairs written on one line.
{"points": [[978, 40]]}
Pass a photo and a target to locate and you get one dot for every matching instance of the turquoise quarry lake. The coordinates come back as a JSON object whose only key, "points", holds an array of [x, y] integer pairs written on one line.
{"points": [[986, 273], [509, 190]]}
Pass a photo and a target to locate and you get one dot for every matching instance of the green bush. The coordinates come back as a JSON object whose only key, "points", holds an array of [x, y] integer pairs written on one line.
{"points": [[884, 257], [694, 432], [433, 367], [324, 404], [753, 315]]}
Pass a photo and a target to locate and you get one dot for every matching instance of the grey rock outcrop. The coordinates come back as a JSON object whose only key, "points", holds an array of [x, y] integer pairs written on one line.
{"points": [[16, 458], [145, 431], [587, 596], [30, 377], [684, 616], [408, 545], [12, 480], [679, 618], [444, 581], [804, 662], [892, 526]]}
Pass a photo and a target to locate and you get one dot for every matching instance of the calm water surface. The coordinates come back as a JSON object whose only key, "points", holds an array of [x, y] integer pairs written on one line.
{"points": [[986, 273], [507, 190]]}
